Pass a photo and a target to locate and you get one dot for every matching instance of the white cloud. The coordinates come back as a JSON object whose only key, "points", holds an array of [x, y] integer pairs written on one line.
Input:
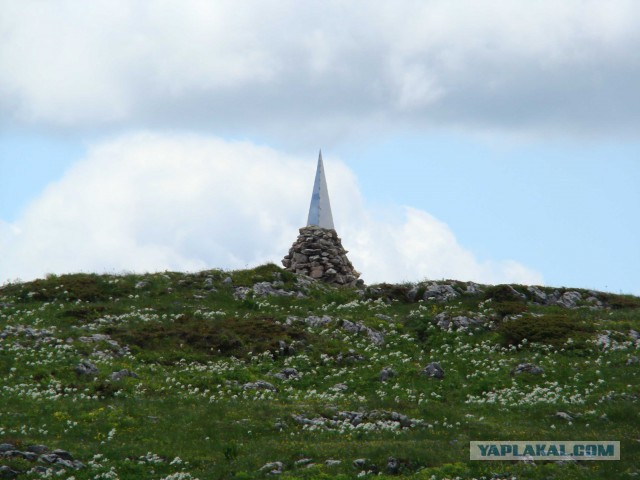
{"points": [[264, 66], [149, 202]]}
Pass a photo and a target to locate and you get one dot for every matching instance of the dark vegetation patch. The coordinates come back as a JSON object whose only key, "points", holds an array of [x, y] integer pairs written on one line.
{"points": [[620, 302], [389, 292], [268, 272], [190, 337], [72, 287], [550, 329]]}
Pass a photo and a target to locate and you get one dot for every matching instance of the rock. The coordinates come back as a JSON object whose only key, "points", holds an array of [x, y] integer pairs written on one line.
{"points": [[259, 385], [63, 454], [538, 296], [5, 447], [473, 289], [273, 468], [360, 462], [633, 360], [392, 465], [314, 321], [564, 416], [403, 420], [387, 373], [375, 336], [29, 456], [65, 463], [595, 301], [382, 316], [141, 284], [635, 336], [527, 368], [7, 472], [350, 357], [287, 373], [39, 449], [116, 376], [603, 340], [332, 463], [86, 368], [227, 281], [569, 299], [444, 321], [433, 370], [303, 462], [49, 458], [440, 293]]}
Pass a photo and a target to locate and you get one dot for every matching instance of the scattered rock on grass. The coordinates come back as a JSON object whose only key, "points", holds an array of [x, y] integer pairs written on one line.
{"points": [[86, 368], [527, 368], [387, 373], [433, 370]]}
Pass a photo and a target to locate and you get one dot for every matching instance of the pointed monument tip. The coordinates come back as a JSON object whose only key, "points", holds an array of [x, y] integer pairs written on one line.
{"points": [[320, 208]]}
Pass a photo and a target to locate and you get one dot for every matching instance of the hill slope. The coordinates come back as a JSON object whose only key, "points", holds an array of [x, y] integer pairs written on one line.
{"points": [[251, 373]]}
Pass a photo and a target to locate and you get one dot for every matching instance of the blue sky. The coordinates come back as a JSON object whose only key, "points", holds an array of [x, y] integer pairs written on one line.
{"points": [[485, 141]]}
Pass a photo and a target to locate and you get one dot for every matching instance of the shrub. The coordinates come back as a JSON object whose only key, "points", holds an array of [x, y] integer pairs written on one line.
{"points": [[552, 329]]}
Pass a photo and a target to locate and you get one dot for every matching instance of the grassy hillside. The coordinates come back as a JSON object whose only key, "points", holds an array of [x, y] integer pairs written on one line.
{"points": [[255, 373]]}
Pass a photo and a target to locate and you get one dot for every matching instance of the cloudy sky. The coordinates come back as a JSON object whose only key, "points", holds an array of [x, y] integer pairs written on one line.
{"points": [[486, 140]]}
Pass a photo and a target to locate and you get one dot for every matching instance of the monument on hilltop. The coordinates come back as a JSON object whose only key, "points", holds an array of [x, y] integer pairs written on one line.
{"points": [[318, 251]]}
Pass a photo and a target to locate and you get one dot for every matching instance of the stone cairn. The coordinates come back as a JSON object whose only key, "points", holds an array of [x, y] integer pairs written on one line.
{"points": [[318, 253]]}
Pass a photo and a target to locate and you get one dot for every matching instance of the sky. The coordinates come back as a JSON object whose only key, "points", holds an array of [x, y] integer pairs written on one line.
{"points": [[479, 140]]}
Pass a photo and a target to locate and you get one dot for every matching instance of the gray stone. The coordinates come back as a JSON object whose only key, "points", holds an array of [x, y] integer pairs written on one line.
{"points": [[273, 468], [569, 299], [350, 357], [39, 449], [49, 458], [538, 295], [603, 340], [29, 456], [303, 462], [119, 375], [332, 463], [387, 373], [527, 368], [63, 454], [440, 293], [259, 385], [635, 336], [564, 416], [633, 360], [7, 472], [375, 336], [314, 321], [403, 420], [141, 284], [473, 289], [227, 281], [433, 370], [359, 462], [5, 447], [86, 368], [287, 373], [392, 465]]}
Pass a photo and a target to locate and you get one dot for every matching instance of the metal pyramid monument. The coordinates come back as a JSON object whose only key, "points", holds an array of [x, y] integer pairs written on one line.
{"points": [[320, 208], [318, 252]]}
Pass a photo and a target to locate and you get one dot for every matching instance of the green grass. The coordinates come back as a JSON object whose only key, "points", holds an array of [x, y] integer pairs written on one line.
{"points": [[193, 345]]}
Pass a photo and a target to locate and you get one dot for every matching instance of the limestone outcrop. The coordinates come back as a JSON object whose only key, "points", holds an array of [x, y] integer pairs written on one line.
{"points": [[318, 253]]}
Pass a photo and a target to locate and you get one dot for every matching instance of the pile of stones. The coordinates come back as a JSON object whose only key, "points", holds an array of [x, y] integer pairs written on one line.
{"points": [[318, 253]]}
